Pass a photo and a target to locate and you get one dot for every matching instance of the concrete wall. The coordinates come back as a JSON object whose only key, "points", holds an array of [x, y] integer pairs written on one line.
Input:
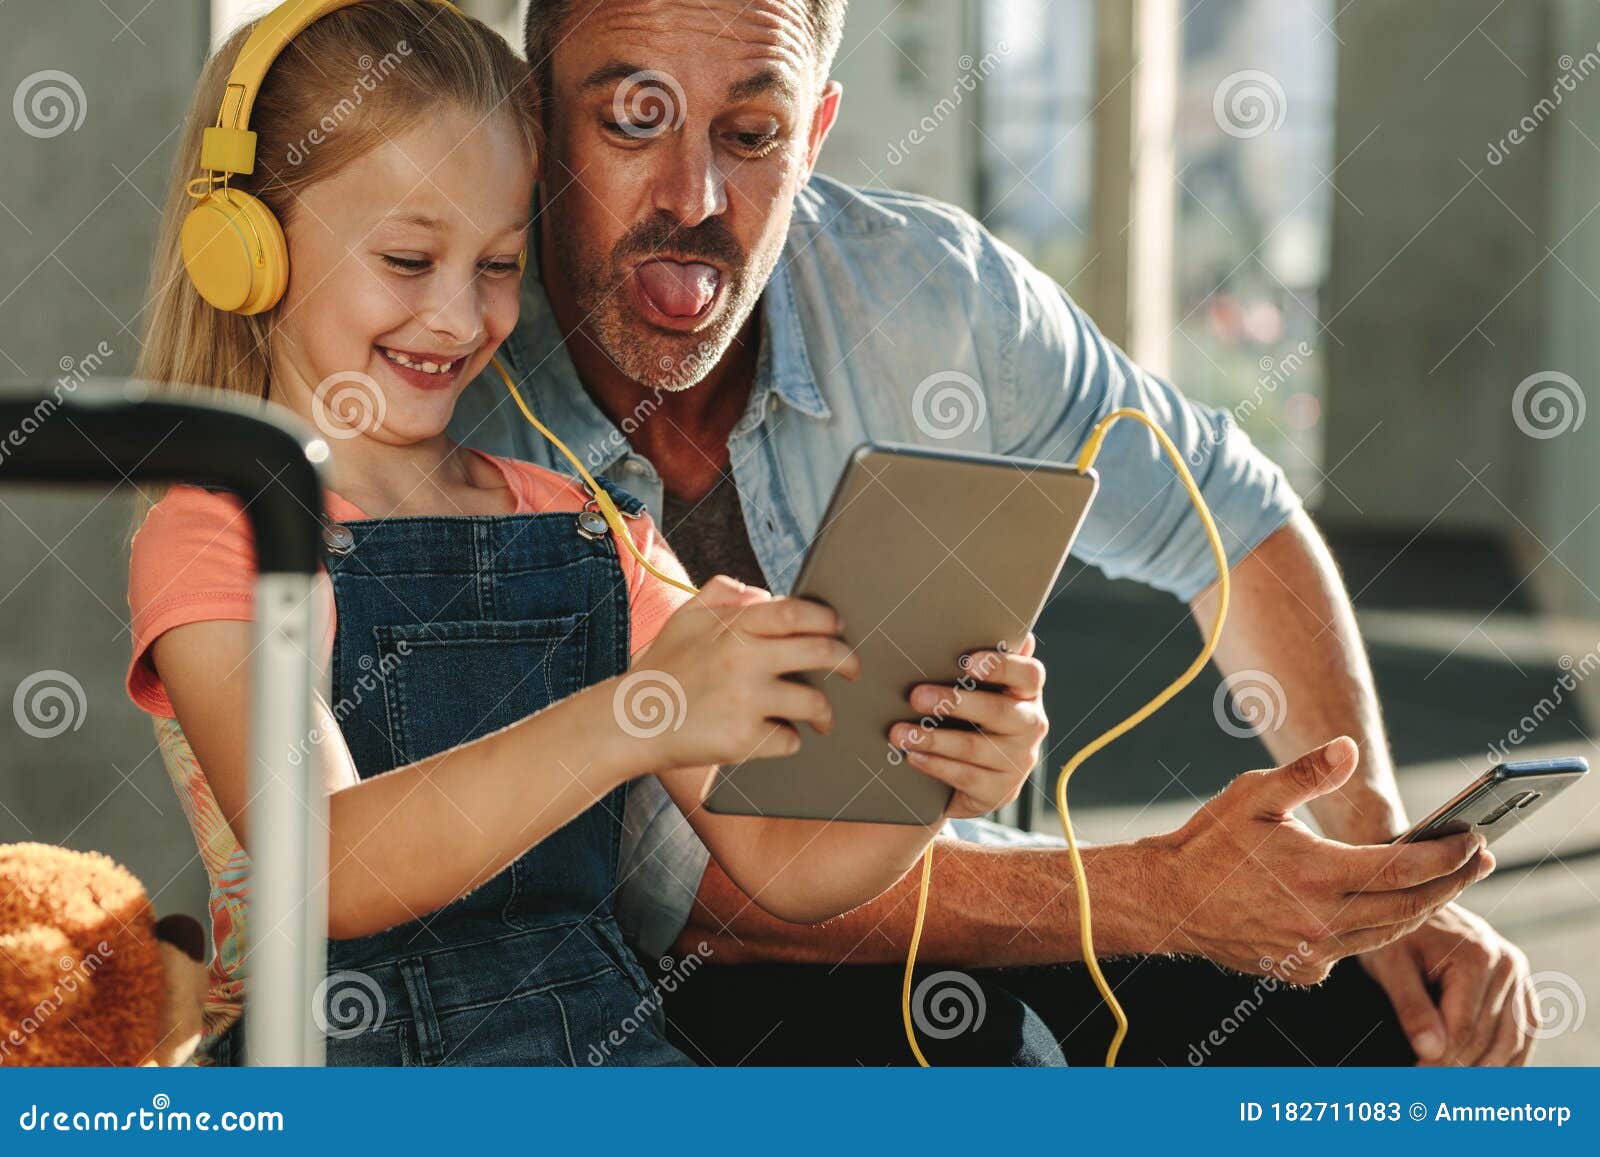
{"points": [[906, 120], [77, 223], [1436, 306], [1565, 468]]}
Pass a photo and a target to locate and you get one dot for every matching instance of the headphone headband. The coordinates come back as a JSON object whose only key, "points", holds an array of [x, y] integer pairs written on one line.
{"points": [[230, 146]]}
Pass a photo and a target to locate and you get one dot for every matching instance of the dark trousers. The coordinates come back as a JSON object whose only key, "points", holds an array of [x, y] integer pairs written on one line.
{"points": [[1182, 1012]]}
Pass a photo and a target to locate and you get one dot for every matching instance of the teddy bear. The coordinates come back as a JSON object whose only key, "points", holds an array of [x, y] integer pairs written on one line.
{"points": [[88, 976]]}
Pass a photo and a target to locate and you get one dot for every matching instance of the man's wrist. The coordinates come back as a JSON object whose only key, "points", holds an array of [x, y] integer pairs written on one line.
{"points": [[1132, 887], [1375, 819]]}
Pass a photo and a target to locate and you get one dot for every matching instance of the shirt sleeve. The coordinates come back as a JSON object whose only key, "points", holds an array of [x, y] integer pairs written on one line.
{"points": [[192, 560], [1061, 375]]}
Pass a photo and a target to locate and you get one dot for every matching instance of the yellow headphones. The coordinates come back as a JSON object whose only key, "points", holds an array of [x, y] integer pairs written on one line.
{"points": [[233, 245]]}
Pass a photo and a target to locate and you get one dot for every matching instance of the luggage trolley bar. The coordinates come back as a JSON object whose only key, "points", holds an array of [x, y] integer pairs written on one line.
{"points": [[121, 433]]}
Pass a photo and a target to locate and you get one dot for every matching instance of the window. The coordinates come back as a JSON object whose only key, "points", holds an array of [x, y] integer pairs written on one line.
{"points": [[1255, 202]]}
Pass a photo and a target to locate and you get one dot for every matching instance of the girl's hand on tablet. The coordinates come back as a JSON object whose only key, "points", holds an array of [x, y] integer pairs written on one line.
{"points": [[987, 767], [720, 666]]}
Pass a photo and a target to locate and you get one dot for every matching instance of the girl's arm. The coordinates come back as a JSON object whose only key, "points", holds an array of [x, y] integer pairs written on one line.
{"points": [[408, 842], [807, 870]]}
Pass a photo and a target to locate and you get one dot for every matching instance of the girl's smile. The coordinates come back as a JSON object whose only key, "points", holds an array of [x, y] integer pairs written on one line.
{"points": [[423, 370]]}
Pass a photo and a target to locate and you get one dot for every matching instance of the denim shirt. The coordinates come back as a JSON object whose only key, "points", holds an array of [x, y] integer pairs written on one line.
{"points": [[894, 318]]}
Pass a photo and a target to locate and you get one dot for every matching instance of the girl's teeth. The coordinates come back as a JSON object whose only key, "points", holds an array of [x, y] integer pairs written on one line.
{"points": [[426, 367]]}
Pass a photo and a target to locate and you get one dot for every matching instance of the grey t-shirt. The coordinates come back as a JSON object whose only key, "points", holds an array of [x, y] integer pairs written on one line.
{"points": [[709, 536]]}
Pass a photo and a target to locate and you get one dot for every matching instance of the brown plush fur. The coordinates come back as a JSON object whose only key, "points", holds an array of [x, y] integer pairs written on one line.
{"points": [[82, 979]]}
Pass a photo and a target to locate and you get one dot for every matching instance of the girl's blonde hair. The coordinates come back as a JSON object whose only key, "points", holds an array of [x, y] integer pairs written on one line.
{"points": [[353, 79]]}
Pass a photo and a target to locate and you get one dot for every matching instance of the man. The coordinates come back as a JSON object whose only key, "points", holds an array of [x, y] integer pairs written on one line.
{"points": [[715, 328]]}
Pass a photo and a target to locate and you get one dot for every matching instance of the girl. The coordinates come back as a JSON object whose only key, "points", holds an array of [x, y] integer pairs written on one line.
{"points": [[483, 731]]}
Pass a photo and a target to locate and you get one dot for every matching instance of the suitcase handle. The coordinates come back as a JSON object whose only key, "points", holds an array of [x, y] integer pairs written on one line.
{"points": [[120, 433]]}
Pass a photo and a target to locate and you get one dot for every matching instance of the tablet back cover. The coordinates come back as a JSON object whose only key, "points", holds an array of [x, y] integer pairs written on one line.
{"points": [[925, 555]]}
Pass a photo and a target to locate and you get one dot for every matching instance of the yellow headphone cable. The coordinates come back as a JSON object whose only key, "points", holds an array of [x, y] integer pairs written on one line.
{"points": [[1086, 459]]}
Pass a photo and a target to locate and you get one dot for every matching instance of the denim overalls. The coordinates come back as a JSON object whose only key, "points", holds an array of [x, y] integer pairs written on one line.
{"points": [[450, 628]]}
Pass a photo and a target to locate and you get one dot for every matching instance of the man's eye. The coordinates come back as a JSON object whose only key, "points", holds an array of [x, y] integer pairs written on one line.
{"points": [[756, 144], [634, 130], [409, 264]]}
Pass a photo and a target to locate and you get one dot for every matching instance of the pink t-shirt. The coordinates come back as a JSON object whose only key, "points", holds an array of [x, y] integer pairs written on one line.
{"points": [[194, 561]]}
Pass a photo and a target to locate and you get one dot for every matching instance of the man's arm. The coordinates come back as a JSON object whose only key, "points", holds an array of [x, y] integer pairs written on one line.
{"points": [[1218, 887], [988, 905], [1291, 618]]}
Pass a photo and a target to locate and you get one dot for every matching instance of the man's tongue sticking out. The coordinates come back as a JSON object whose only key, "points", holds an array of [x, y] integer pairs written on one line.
{"points": [[676, 288]]}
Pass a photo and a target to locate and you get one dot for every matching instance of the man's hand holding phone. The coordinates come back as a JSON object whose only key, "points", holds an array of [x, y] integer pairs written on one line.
{"points": [[1251, 887]]}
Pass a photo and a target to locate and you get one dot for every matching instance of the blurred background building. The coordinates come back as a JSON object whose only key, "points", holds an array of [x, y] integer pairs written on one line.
{"points": [[1366, 227]]}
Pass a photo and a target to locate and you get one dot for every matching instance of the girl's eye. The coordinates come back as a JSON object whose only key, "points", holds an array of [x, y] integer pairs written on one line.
{"points": [[422, 264]]}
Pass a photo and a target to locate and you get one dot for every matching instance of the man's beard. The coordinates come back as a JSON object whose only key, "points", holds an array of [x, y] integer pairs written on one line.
{"points": [[655, 358]]}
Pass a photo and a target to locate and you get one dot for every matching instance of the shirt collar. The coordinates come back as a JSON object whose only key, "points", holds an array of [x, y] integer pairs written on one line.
{"points": [[785, 353]]}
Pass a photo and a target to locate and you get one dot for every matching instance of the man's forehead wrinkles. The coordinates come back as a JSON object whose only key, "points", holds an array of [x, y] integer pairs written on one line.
{"points": [[767, 30]]}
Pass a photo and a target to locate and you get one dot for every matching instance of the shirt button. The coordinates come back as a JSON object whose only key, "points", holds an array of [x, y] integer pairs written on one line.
{"points": [[634, 466], [772, 402]]}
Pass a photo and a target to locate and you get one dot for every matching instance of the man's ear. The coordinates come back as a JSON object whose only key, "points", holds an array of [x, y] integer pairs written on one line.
{"points": [[822, 121]]}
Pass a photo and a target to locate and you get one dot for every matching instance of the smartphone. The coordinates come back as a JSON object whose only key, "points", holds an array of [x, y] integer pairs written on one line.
{"points": [[1500, 799]]}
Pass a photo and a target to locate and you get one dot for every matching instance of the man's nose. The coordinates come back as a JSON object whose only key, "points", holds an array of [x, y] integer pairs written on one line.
{"points": [[690, 185]]}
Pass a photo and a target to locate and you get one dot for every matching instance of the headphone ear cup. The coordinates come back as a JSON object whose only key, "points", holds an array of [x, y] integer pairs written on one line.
{"points": [[235, 252]]}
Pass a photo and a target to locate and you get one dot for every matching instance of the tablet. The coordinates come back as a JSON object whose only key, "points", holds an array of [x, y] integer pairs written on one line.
{"points": [[926, 555]]}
